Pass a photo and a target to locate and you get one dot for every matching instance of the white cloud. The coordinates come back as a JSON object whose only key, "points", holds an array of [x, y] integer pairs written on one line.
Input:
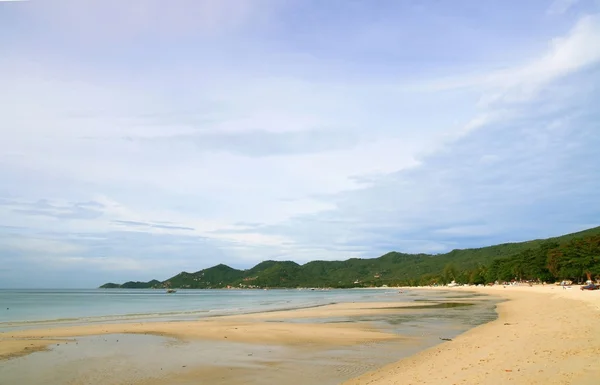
{"points": [[92, 150], [326, 167], [576, 51]]}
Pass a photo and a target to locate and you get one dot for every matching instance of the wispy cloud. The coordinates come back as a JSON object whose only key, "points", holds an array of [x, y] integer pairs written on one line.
{"points": [[559, 7], [198, 133], [78, 210], [154, 225]]}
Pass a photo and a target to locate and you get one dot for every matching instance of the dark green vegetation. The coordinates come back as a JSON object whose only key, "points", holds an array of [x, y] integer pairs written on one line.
{"points": [[571, 256], [111, 285], [134, 285]]}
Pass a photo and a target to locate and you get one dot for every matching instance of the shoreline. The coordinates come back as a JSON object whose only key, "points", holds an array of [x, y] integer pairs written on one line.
{"points": [[192, 313], [543, 335], [137, 318], [323, 345], [26, 337], [266, 327]]}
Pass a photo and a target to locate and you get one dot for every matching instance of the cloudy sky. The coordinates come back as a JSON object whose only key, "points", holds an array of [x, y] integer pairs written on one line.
{"points": [[146, 137]]}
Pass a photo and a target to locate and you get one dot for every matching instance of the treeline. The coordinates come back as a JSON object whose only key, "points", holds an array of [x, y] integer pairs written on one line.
{"points": [[572, 256], [576, 260]]}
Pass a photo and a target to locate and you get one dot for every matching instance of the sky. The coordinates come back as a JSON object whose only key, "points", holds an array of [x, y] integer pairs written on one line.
{"points": [[143, 138]]}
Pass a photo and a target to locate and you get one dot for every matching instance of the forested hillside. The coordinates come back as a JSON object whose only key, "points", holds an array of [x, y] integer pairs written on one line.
{"points": [[572, 256]]}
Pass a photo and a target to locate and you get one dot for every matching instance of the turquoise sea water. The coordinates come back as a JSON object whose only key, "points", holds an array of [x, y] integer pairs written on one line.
{"points": [[89, 305]]}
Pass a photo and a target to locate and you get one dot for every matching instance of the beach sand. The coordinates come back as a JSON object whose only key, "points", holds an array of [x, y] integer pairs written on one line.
{"points": [[324, 345], [18, 343], [544, 335], [275, 327], [12, 348]]}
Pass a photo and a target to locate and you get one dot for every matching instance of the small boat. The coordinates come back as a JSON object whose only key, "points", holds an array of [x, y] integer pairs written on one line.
{"points": [[170, 291]]}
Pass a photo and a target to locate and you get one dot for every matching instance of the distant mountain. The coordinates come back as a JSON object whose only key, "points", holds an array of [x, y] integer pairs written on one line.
{"points": [[133, 285], [571, 256], [110, 285]]}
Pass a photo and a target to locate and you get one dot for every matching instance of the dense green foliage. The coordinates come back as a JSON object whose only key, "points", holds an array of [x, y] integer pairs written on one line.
{"points": [[574, 260], [571, 256]]}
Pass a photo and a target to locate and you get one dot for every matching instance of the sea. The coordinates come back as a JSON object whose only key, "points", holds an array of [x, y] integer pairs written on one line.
{"points": [[22, 307]]}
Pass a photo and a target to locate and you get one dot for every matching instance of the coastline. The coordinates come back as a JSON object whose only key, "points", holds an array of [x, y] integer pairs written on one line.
{"points": [[250, 328], [543, 335], [279, 326], [323, 345]]}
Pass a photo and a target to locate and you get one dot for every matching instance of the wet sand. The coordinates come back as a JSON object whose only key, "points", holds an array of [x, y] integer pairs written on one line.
{"points": [[240, 330], [323, 345], [277, 327], [544, 335]]}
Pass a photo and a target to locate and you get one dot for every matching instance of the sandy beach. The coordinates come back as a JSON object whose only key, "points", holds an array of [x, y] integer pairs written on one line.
{"points": [[247, 328], [543, 335]]}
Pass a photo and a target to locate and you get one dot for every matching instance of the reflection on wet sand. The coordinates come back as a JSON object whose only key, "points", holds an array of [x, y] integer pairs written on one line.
{"points": [[305, 349]]}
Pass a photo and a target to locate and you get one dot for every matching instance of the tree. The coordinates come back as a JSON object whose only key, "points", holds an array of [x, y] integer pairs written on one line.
{"points": [[449, 273]]}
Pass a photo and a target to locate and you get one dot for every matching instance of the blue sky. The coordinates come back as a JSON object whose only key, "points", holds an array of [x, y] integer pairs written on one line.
{"points": [[143, 138]]}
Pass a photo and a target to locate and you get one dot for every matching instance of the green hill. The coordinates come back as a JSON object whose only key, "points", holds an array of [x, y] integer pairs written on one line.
{"points": [[110, 285], [570, 256], [216, 276]]}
